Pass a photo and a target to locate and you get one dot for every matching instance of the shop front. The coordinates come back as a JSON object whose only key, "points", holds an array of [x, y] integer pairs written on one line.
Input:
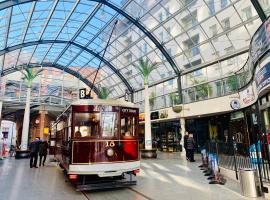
{"points": [[166, 133]]}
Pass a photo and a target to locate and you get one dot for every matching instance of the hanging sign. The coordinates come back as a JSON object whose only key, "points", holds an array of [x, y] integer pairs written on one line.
{"points": [[83, 94]]}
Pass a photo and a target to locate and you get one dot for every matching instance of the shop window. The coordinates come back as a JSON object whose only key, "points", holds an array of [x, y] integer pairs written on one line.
{"points": [[128, 126]]}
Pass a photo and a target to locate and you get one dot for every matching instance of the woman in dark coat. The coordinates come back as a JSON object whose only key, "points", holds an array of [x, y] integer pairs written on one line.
{"points": [[43, 147], [190, 147]]}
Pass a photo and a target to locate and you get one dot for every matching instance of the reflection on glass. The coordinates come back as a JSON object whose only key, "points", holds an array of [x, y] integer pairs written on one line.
{"points": [[108, 124], [128, 126], [86, 124]]}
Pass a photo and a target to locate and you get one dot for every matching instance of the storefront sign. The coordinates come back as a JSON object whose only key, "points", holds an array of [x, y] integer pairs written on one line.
{"points": [[260, 42], [235, 104], [262, 77], [154, 115], [248, 96], [46, 131], [163, 114], [141, 117]]}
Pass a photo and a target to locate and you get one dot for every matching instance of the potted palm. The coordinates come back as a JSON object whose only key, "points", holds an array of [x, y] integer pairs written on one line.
{"points": [[29, 74], [104, 93], [145, 67]]}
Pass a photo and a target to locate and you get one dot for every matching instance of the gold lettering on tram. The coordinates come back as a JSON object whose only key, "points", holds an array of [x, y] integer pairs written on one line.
{"points": [[110, 144]]}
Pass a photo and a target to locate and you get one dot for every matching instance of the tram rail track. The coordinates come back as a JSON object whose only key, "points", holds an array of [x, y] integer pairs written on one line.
{"points": [[129, 188]]}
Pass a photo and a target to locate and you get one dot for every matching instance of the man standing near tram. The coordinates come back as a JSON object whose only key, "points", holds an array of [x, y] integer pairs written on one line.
{"points": [[34, 150]]}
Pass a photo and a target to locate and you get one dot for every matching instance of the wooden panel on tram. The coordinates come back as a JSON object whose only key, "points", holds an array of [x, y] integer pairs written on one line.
{"points": [[95, 151]]}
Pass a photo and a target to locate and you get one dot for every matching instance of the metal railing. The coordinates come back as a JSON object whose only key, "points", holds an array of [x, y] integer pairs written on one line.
{"points": [[234, 156]]}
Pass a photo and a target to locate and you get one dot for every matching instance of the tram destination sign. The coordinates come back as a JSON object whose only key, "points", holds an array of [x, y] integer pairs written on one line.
{"points": [[129, 110]]}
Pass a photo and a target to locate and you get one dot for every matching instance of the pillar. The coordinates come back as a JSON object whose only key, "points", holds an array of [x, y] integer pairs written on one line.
{"points": [[183, 130], [42, 123]]}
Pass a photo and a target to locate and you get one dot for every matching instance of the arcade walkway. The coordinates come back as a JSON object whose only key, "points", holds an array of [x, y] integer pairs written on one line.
{"points": [[167, 178]]}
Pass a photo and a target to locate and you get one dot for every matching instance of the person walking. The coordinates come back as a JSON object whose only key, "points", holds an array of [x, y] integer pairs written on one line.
{"points": [[190, 147], [43, 150], [185, 144], [34, 149]]}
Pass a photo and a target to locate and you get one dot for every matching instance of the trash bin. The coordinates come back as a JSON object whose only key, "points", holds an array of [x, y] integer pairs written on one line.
{"points": [[249, 181]]}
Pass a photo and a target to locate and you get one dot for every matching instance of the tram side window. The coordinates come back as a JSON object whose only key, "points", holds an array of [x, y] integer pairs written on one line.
{"points": [[86, 124], [108, 124], [128, 126]]}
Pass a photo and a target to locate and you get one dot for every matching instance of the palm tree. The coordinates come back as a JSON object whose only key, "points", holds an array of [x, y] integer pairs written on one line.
{"points": [[28, 75], [146, 67], [104, 93]]}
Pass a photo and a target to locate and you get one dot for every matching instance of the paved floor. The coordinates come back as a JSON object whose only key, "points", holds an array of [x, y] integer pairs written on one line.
{"points": [[169, 177]]}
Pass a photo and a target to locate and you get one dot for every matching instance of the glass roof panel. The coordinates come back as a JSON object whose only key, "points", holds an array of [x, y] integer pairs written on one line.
{"points": [[193, 33]]}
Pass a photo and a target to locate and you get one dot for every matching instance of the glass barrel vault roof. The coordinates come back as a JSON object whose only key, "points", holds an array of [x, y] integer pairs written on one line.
{"points": [[71, 33]]}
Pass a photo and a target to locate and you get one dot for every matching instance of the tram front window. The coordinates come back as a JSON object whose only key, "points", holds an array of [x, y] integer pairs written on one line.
{"points": [[86, 124], [128, 126], [108, 124]]}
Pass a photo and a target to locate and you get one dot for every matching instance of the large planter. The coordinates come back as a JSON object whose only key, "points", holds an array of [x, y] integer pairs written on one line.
{"points": [[20, 154], [146, 153], [177, 109]]}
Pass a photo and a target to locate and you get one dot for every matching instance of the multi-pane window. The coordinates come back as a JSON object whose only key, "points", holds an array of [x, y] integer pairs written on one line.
{"points": [[213, 31], [168, 12], [190, 20], [223, 3], [169, 30], [211, 6], [160, 17], [145, 48], [226, 24], [190, 46], [247, 13]]}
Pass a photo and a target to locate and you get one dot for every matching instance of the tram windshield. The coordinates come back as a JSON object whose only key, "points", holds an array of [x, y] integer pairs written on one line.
{"points": [[102, 124], [128, 126]]}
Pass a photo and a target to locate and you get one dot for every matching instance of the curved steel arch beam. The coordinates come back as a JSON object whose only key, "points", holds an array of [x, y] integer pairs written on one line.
{"points": [[32, 43], [57, 66], [9, 3]]}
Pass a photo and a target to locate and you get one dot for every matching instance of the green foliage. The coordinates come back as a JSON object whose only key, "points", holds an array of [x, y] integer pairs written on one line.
{"points": [[152, 99], [202, 89], [232, 82], [29, 74], [104, 93], [146, 67], [174, 99]]}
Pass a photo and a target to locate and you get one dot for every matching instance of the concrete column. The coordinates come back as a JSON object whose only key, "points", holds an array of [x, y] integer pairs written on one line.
{"points": [[42, 119], [183, 130], [147, 122]]}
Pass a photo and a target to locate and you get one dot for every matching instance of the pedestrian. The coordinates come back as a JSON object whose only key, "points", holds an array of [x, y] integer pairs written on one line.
{"points": [[185, 144], [190, 147], [34, 149], [43, 150]]}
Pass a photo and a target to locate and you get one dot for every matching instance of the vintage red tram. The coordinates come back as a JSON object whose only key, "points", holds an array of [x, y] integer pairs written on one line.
{"points": [[96, 143]]}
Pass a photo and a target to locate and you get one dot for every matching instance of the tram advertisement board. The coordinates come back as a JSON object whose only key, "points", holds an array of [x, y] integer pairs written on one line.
{"points": [[260, 42], [262, 77]]}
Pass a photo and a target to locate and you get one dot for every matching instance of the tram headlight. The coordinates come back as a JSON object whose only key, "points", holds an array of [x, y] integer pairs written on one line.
{"points": [[110, 152]]}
